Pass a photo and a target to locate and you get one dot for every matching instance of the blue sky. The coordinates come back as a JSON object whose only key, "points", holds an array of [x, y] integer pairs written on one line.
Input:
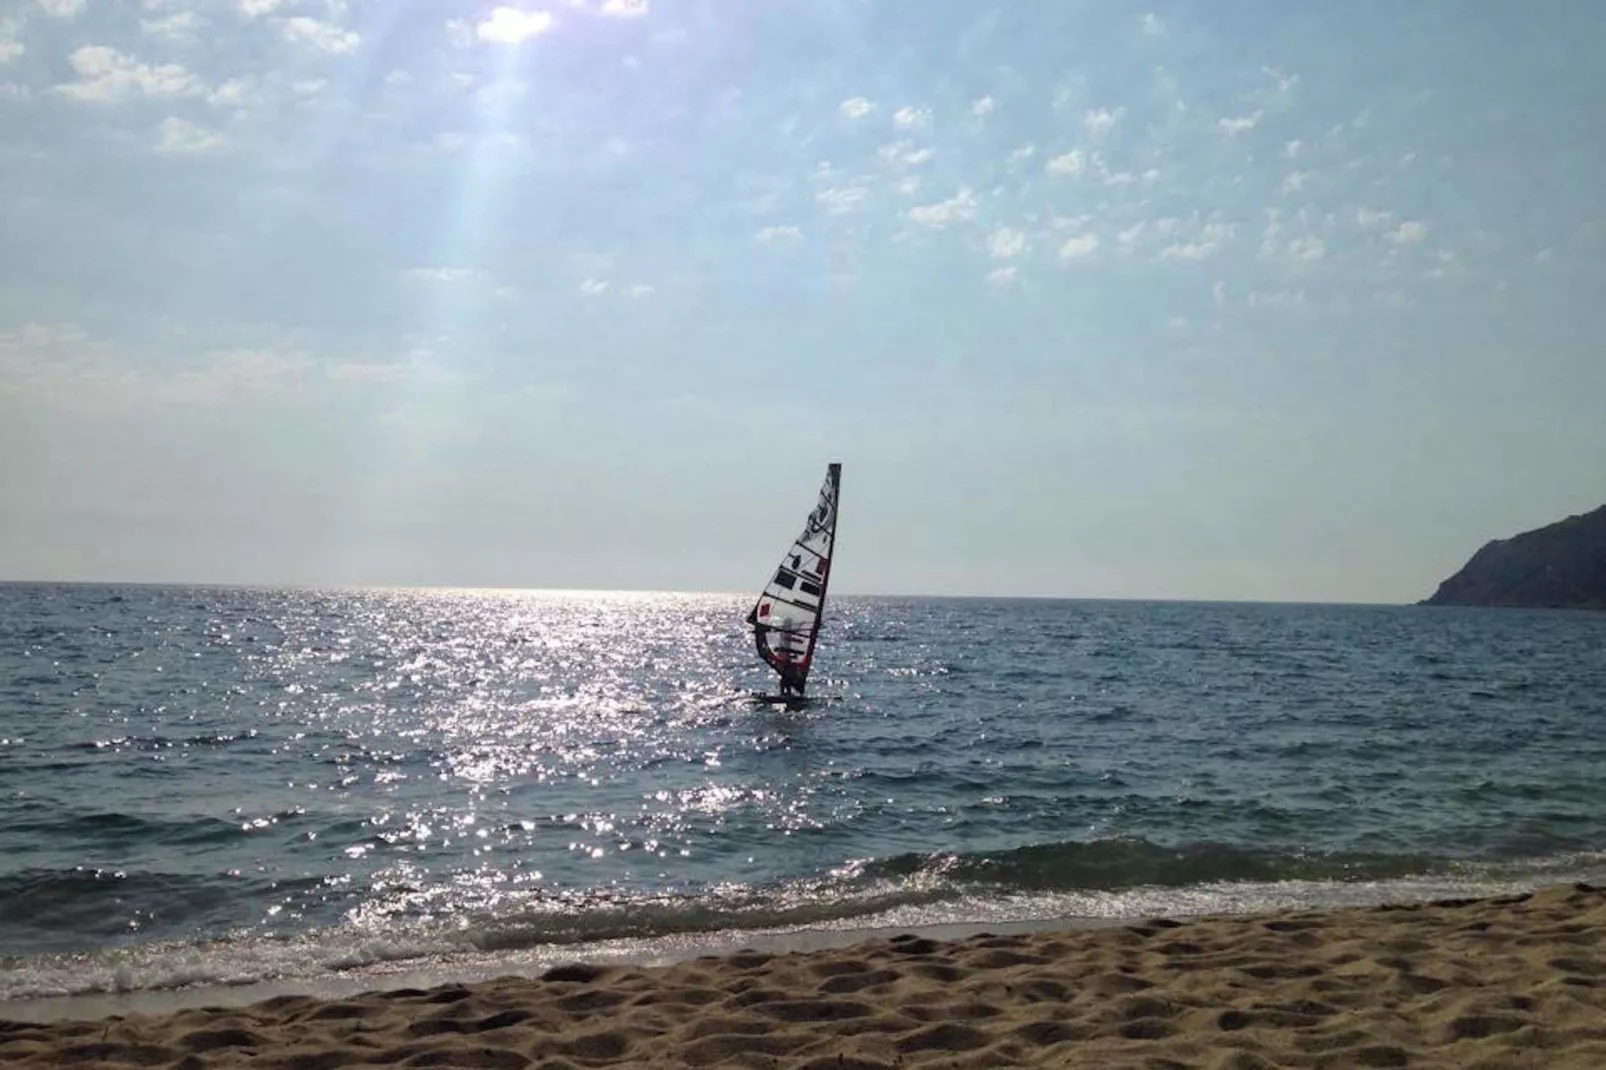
{"points": [[1219, 299]]}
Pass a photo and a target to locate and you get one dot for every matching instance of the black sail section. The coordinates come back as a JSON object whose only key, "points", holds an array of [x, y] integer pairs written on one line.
{"points": [[786, 619]]}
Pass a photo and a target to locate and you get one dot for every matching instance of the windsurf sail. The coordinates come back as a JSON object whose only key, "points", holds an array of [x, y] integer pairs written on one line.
{"points": [[786, 619]]}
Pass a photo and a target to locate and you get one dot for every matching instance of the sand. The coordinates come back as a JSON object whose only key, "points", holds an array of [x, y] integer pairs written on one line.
{"points": [[1518, 981]]}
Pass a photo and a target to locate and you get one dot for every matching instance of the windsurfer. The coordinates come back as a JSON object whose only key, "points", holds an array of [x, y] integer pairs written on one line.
{"points": [[792, 667]]}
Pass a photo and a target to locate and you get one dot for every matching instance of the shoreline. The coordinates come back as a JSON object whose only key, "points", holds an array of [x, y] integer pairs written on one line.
{"points": [[1507, 981]]}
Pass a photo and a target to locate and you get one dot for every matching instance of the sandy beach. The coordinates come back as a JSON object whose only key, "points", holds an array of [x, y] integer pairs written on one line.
{"points": [[1517, 981]]}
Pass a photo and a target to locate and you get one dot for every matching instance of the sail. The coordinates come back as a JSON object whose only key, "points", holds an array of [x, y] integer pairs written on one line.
{"points": [[786, 619]]}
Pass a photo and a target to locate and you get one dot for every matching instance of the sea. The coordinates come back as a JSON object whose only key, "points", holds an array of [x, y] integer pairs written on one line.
{"points": [[214, 790]]}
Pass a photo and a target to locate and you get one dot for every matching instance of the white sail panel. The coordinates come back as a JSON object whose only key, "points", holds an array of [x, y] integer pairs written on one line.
{"points": [[786, 619]]}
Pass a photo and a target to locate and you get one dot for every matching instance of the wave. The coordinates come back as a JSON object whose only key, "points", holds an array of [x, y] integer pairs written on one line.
{"points": [[1107, 879]]}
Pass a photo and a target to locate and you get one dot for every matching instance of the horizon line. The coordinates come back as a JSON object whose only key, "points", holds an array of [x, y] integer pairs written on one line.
{"points": [[647, 591]]}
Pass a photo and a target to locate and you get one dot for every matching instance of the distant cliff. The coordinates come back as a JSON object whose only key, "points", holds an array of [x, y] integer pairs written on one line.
{"points": [[1562, 565]]}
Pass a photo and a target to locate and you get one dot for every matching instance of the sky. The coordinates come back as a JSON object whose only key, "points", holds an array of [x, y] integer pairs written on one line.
{"points": [[1219, 299]]}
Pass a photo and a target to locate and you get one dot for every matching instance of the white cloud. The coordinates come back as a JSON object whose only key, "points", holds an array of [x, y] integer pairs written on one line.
{"points": [[1153, 24], [1083, 245], [1193, 250], [179, 26], [1127, 238], [1294, 182], [624, 9], [907, 186], [1373, 218], [1409, 232], [62, 9], [1021, 155], [1069, 164], [1308, 248], [10, 46], [309, 87], [1242, 124], [772, 235], [510, 26], [106, 74], [904, 152], [358, 372], [1003, 276], [912, 118], [234, 93], [1292, 149], [1006, 242], [443, 274], [1100, 121], [840, 199], [961, 206], [323, 36], [1277, 299], [1285, 82], [983, 107], [252, 9], [638, 291], [856, 107], [594, 287], [180, 137]]}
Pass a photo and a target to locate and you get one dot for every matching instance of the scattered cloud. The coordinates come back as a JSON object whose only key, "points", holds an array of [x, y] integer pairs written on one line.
{"points": [[983, 107], [1307, 248], [856, 107], [1006, 242], [1079, 247], [105, 74], [62, 9], [179, 26], [320, 35], [961, 206], [234, 93], [594, 287], [1242, 124], [1409, 232], [510, 26], [1152, 24], [1193, 250], [1277, 299], [10, 45], [1071, 163], [841, 199], [773, 235], [443, 274], [1003, 276], [1294, 182], [625, 9], [1373, 218], [180, 137], [912, 118], [1292, 149], [253, 9], [905, 152], [1285, 81], [1100, 121]]}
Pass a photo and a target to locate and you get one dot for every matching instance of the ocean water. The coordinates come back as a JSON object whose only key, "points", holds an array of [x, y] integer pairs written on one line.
{"points": [[214, 785]]}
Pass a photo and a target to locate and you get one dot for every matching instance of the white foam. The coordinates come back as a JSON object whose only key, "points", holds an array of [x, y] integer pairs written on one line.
{"points": [[336, 962]]}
